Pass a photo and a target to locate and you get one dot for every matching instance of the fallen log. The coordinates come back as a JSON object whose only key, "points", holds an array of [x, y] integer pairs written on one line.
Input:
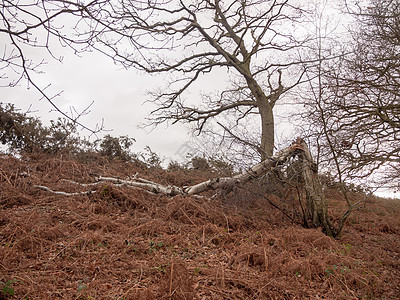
{"points": [[316, 206], [212, 184]]}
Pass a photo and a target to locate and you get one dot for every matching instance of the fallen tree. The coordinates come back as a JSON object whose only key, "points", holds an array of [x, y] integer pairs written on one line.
{"points": [[315, 213]]}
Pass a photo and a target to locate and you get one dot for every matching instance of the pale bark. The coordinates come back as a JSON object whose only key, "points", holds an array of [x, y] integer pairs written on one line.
{"points": [[47, 189], [254, 172], [316, 204], [265, 106], [212, 184], [267, 130], [150, 186]]}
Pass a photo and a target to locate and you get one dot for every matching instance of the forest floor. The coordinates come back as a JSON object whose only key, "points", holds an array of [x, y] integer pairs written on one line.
{"points": [[124, 243]]}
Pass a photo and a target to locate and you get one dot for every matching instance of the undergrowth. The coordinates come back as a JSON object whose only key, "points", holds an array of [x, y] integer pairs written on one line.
{"points": [[123, 243]]}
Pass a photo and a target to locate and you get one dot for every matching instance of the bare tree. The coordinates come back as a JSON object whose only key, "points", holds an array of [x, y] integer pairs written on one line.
{"points": [[368, 89], [247, 42], [355, 109], [251, 42], [246, 47]]}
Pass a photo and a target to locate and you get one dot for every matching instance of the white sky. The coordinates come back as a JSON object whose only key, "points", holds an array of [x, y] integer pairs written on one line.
{"points": [[119, 98]]}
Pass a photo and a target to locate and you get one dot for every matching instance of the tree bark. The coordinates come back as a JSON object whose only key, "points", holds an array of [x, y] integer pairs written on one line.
{"points": [[316, 204], [265, 107], [254, 172], [267, 130]]}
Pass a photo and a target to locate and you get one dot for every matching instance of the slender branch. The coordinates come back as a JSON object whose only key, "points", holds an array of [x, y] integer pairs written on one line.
{"points": [[45, 188]]}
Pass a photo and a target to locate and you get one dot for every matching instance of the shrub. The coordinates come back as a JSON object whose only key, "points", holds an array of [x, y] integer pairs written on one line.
{"points": [[116, 147]]}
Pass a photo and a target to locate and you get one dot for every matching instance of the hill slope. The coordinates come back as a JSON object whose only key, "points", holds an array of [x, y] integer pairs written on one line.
{"points": [[123, 243]]}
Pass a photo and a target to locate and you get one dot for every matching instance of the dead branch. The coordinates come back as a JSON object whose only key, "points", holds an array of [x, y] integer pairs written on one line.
{"points": [[316, 205], [254, 172], [148, 185], [45, 188], [212, 184]]}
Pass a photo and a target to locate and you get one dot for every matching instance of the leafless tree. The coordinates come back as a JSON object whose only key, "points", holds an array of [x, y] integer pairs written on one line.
{"points": [[368, 89], [252, 43], [356, 108], [247, 43], [317, 119]]}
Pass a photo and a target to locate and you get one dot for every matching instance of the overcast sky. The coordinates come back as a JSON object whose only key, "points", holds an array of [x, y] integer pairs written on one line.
{"points": [[119, 95], [119, 98]]}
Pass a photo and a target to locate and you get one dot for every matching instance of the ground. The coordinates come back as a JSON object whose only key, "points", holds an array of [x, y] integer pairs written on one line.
{"points": [[124, 243]]}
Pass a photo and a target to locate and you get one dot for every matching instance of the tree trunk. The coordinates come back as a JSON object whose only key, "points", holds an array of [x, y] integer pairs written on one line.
{"points": [[267, 130], [316, 204], [265, 105], [256, 171]]}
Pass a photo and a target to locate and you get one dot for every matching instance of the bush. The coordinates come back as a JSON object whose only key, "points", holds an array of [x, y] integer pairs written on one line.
{"points": [[212, 164], [116, 147], [18, 131], [26, 134]]}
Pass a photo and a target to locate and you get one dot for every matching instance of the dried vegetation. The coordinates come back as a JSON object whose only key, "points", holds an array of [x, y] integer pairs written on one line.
{"points": [[124, 243]]}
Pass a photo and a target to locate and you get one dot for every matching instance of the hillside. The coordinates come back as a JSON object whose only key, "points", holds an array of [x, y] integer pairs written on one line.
{"points": [[124, 243]]}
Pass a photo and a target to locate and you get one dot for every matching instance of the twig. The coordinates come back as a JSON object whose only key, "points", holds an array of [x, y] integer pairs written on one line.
{"points": [[170, 281], [187, 216], [227, 222], [45, 188], [266, 260], [82, 184]]}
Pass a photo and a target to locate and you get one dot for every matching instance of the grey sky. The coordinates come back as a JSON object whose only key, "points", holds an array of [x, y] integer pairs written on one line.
{"points": [[118, 96]]}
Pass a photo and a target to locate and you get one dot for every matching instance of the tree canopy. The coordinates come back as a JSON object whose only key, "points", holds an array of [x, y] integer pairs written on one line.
{"points": [[227, 65], [251, 44]]}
